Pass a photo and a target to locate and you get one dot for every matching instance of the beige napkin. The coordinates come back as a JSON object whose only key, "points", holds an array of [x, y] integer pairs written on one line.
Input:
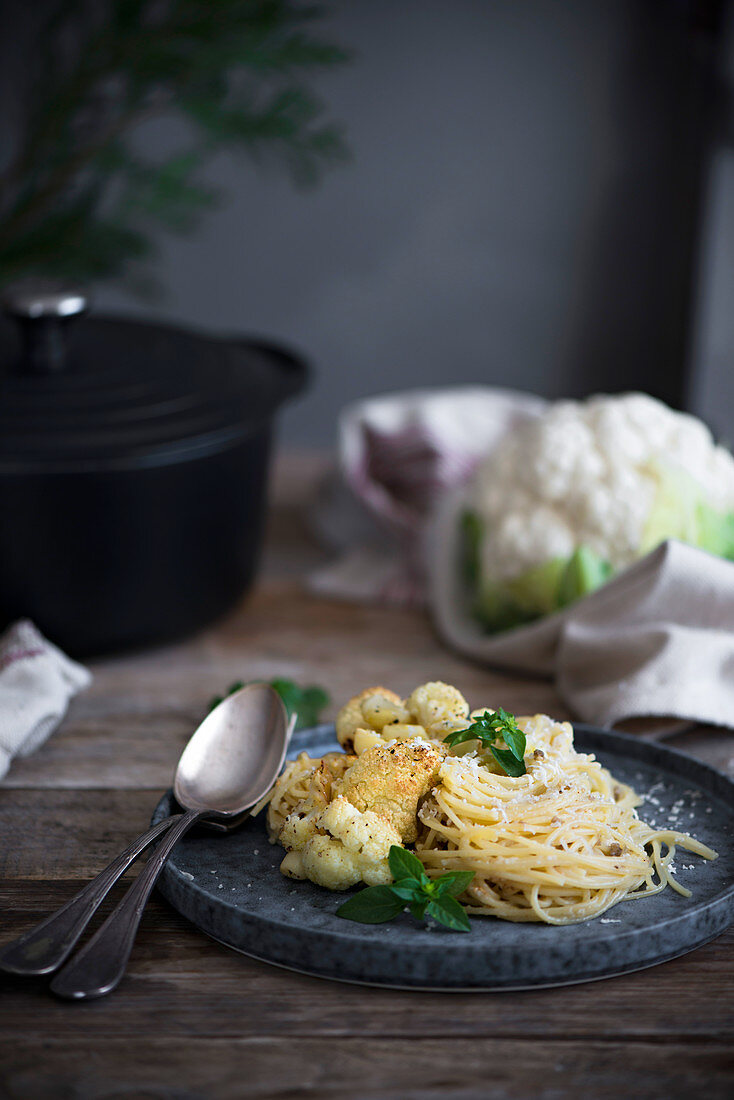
{"points": [[657, 640], [37, 681]]}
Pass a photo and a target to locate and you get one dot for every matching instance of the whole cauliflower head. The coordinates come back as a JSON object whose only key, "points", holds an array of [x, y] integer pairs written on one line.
{"points": [[582, 491]]}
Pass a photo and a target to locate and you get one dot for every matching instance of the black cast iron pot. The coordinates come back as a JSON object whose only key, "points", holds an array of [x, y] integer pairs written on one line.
{"points": [[133, 467]]}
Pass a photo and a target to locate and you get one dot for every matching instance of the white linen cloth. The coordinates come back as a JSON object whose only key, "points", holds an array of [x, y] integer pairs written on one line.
{"points": [[36, 683], [398, 454], [657, 640]]}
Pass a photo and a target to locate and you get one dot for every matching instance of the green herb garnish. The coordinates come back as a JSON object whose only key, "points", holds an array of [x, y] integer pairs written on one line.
{"points": [[487, 729], [426, 897], [307, 702]]}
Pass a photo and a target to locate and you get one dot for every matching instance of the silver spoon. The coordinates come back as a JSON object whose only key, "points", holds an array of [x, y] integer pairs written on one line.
{"points": [[227, 766]]}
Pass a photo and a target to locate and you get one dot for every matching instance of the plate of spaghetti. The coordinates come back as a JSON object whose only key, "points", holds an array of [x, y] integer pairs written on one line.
{"points": [[562, 853]]}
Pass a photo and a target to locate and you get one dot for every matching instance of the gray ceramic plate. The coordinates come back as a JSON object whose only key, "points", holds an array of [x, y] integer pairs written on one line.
{"points": [[230, 887]]}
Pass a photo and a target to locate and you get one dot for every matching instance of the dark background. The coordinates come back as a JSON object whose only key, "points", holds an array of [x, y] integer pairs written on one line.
{"points": [[523, 208]]}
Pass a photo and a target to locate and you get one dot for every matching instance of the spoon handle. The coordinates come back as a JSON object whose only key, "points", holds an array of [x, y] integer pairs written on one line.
{"points": [[45, 947], [98, 967]]}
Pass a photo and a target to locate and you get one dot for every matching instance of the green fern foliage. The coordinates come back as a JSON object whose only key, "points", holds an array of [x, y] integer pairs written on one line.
{"points": [[78, 200]]}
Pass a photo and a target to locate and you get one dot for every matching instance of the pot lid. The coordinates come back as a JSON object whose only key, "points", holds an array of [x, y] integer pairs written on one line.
{"points": [[108, 392]]}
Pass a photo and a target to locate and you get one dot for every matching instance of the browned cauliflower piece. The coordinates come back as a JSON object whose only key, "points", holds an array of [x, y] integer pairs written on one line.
{"points": [[439, 707], [383, 709], [397, 731], [390, 779], [351, 717]]}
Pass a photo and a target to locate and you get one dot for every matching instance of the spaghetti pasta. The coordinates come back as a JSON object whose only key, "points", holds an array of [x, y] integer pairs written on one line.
{"points": [[561, 844]]}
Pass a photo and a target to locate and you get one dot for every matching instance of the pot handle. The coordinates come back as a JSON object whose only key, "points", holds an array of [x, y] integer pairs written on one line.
{"points": [[42, 312]]}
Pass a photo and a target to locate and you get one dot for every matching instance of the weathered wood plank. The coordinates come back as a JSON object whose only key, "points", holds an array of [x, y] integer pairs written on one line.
{"points": [[179, 982], [388, 1069], [61, 834]]}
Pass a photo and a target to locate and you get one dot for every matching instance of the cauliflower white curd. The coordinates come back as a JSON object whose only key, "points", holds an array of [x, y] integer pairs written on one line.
{"points": [[583, 491]]}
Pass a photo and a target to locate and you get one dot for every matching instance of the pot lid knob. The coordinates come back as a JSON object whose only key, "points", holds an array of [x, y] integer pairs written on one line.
{"points": [[42, 310]]}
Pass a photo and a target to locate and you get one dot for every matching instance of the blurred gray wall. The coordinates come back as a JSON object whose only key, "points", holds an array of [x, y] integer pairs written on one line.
{"points": [[712, 374], [506, 217]]}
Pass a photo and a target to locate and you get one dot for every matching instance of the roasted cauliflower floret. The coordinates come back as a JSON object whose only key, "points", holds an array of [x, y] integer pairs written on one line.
{"points": [[361, 831], [439, 708], [382, 709], [299, 828], [327, 862], [352, 717], [324, 861], [399, 731], [390, 779], [339, 846], [366, 739]]}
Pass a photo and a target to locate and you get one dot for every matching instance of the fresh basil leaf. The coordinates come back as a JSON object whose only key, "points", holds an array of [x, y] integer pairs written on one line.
{"points": [[490, 727], [482, 729], [378, 904], [459, 736], [407, 888], [403, 864], [488, 721], [507, 760], [316, 698], [307, 703], [511, 733], [453, 882], [373, 905], [446, 910], [289, 692], [418, 908]]}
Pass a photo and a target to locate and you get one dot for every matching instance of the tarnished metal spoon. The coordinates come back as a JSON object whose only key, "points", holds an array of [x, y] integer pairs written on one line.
{"points": [[227, 766]]}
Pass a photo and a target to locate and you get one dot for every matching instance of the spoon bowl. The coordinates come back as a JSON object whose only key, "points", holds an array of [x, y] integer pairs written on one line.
{"points": [[235, 754]]}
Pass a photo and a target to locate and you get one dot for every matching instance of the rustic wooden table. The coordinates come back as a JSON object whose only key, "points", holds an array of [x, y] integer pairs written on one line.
{"points": [[194, 1020]]}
